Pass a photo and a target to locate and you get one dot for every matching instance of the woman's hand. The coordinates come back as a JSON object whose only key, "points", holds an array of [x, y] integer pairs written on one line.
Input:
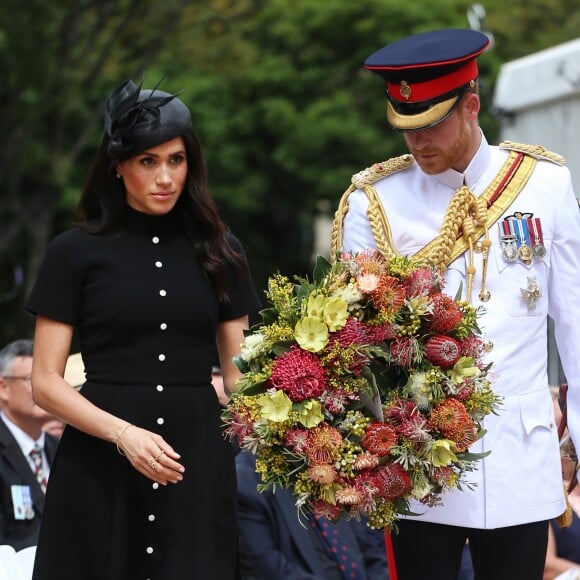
{"points": [[149, 454]]}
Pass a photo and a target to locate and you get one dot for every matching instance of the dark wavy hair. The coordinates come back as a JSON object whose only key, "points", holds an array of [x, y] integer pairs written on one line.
{"points": [[102, 209]]}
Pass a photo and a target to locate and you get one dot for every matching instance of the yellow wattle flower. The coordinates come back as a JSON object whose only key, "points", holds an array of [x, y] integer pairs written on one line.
{"points": [[275, 406], [335, 313], [443, 453], [311, 334]]}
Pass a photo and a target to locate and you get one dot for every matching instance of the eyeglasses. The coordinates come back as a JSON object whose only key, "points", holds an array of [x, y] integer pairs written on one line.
{"points": [[26, 378]]}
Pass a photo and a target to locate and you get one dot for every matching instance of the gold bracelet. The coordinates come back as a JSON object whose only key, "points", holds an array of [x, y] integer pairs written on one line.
{"points": [[119, 440]]}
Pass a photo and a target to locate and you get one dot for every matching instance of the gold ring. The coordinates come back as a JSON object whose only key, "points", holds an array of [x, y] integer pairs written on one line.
{"points": [[160, 454], [153, 464]]}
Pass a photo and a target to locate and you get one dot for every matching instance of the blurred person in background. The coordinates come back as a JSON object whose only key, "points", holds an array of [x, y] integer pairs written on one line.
{"points": [[26, 451]]}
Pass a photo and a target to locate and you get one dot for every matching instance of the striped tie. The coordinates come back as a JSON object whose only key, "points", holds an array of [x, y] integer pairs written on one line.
{"points": [[36, 456]]}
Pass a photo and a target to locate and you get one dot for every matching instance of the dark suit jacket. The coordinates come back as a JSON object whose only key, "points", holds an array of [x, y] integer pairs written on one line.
{"points": [[275, 546], [15, 470]]}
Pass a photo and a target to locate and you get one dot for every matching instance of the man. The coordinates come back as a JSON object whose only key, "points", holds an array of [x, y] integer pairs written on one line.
{"points": [[22, 475], [276, 545], [503, 225]]}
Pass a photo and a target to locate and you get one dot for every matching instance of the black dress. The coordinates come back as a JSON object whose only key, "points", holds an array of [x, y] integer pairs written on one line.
{"points": [[146, 318]]}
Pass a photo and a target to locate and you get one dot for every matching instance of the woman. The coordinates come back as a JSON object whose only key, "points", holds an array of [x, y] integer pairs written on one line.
{"points": [[144, 484]]}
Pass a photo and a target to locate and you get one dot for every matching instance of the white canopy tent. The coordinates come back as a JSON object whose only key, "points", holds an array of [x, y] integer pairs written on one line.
{"points": [[537, 98]]}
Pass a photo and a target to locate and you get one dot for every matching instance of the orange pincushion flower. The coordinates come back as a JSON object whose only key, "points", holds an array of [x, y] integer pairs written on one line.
{"points": [[349, 495], [324, 443], [365, 461], [322, 474], [452, 420], [389, 294], [446, 313], [379, 439]]}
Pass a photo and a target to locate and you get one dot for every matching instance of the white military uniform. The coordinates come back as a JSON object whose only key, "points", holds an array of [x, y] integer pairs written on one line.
{"points": [[520, 481]]}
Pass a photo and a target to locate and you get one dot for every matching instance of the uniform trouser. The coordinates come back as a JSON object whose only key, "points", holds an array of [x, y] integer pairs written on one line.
{"points": [[426, 551]]}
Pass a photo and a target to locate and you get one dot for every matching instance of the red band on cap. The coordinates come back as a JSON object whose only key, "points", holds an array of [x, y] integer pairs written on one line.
{"points": [[417, 92]]}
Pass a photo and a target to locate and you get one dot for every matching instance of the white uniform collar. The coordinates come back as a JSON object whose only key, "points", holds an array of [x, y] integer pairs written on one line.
{"points": [[475, 169]]}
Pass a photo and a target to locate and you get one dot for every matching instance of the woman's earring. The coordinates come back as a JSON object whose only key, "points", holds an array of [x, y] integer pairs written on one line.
{"points": [[118, 176]]}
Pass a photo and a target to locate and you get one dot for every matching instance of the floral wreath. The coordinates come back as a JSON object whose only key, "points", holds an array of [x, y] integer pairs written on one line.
{"points": [[363, 388]]}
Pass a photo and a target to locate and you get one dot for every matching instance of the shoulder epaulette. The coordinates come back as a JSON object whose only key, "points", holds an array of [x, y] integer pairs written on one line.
{"points": [[536, 151], [377, 171]]}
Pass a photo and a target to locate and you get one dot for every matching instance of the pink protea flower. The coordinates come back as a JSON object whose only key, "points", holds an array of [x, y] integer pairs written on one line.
{"points": [[323, 509], [472, 346], [335, 401], [349, 495], [367, 282], [443, 475], [415, 428], [402, 409], [394, 481], [464, 392], [405, 351], [299, 374], [365, 460], [323, 474], [421, 281], [297, 439]]}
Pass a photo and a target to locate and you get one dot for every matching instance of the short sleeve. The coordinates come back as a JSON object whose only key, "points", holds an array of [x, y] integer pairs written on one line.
{"points": [[243, 299], [57, 290]]}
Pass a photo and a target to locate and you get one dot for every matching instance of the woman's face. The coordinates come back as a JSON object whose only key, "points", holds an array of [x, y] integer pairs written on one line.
{"points": [[155, 178]]}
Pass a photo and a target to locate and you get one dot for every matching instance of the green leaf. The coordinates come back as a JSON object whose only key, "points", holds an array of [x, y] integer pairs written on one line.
{"points": [[321, 269]]}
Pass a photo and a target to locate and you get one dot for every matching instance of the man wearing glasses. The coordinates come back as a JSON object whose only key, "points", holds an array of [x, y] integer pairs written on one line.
{"points": [[26, 451]]}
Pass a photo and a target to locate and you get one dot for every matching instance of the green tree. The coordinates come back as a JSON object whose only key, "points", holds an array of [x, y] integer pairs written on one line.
{"points": [[278, 94]]}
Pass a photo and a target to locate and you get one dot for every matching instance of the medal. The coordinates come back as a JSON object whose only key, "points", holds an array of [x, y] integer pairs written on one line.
{"points": [[531, 293], [535, 227], [507, 237], [525, 251]]}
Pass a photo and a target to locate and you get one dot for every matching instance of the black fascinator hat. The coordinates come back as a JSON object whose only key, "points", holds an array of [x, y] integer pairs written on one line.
{"points": [[137, 119]]}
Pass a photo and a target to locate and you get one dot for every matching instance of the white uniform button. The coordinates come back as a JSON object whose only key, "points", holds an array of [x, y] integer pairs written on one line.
{"points": [[160, 421], [155, 239], [159, 388], [149, 550], [151, 517], [163, 326], [161, 357], [155, 485], [158, 264], [162, 292]]}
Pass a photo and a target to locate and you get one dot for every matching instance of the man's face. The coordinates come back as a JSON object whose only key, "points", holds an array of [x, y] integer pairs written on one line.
{"points": [[449, 145], [16, 393]]}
